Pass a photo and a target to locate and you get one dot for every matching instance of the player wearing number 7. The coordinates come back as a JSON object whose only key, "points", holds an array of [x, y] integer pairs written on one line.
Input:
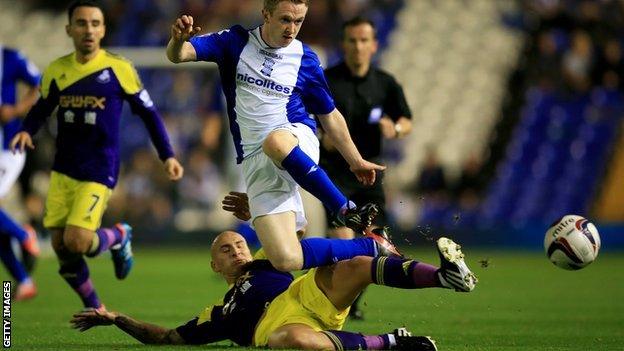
{"points": [[89, 87]]}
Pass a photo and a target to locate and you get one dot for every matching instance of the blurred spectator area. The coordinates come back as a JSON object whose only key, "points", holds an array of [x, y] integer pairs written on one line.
{"points": [[453, 59], [516, 106], [553, 151], [146, 23], [188, 97]]}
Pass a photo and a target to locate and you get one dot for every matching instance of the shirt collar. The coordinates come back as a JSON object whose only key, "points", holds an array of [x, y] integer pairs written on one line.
{"points": [[353, 77], [83, 66]]}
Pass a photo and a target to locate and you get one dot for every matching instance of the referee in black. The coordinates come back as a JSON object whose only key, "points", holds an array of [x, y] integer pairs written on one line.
{"points": [[374, 107]]}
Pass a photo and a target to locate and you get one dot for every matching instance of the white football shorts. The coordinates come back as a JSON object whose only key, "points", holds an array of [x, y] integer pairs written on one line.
{"points": [[271, 189]]}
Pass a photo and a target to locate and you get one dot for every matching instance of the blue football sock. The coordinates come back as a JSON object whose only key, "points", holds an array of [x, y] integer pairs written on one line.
{"points": [[13, 265], [313, 178], [319, 252], [11, 228]]}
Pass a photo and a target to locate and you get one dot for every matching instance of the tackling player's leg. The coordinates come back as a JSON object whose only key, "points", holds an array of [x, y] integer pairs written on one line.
{"points": [[343, 282], [454, 273], [287, 253], [318, 303]]}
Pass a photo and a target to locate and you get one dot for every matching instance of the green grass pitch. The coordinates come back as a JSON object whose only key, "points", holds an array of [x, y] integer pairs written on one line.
{"points": [[522, 302]]}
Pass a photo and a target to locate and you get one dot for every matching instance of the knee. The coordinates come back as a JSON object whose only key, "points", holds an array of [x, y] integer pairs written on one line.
{"points": [[77, 242], [58, 244], [287, 262], [342, 233], [278, 144], [75, 246], [292, 339], [356, 267]]}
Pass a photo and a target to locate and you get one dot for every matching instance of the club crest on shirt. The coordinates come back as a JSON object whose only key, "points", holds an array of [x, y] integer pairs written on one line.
{"points": [[104, 77], [267, 66]]}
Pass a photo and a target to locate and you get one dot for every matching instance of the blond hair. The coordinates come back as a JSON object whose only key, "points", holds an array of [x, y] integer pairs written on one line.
{"points": [[270, 5]]}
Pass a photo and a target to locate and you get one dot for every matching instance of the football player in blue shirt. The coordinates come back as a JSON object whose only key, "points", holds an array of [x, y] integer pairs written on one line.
{"points": [[88, 88], [14, 67], [272, 83]]}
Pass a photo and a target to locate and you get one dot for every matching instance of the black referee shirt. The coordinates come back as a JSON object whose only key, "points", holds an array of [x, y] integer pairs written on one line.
{"points": [[362, 101]]}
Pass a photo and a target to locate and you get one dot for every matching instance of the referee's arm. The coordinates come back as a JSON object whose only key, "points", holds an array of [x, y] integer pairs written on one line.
{"points": [[394, 130], [398, 121]]}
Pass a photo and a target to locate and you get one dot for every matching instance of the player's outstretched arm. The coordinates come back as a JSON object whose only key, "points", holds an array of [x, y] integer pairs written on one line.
{"points": [[144, 332], [174, 169], [336, 129], [178, 48], [20, 141]]}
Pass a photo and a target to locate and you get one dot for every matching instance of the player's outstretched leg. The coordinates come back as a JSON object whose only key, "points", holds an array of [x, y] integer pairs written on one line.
{"points": [[382, 238], [122, 252], [319, 252], [454, 273]]}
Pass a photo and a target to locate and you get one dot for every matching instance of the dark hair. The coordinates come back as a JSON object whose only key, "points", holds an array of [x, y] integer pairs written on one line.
{"points": [[356, 21], [79, 3]]}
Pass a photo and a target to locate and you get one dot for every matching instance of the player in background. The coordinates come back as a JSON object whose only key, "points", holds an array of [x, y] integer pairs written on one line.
{"points": [[374, 107], [14, 67], [272, 82], [89, 87], [266, 307]]}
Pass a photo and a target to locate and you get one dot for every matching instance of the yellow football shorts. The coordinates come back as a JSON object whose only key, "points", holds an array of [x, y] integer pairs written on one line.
{"points": [[302, 303], [75, 202]]}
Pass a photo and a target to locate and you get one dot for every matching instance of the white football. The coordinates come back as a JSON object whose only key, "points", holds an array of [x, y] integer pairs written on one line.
{"points": [[572, 242]]}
